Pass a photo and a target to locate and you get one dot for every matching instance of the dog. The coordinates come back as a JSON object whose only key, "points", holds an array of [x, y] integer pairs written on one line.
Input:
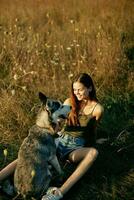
{"points": [[38, 151]]}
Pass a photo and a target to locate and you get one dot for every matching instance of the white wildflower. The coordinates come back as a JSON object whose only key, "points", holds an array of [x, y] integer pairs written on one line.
{"points": [[15, 76], [100, 27], [24, 88], [68, 48], [33, 173], [76, 29], [13, 92], [72, 45], [5, 152], [47, 15], [30, 28], [70, 75], [72, 21], [63, 66], [74, 64], [24, 71]]}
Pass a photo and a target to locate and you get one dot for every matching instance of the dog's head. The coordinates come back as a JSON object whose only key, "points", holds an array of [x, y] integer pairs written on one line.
{"points": [[49, 104], [44, 117]]}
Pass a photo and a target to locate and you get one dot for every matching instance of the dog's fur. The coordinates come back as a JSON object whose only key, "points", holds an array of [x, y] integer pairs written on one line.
{"points": [[38, 151]]}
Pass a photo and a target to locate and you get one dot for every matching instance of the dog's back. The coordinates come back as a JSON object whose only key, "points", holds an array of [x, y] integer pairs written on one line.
{"points": [[32, 174]]}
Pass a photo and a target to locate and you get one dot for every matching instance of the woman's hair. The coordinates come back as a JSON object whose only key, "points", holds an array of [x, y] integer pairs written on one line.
{"points": [[87, 81]]}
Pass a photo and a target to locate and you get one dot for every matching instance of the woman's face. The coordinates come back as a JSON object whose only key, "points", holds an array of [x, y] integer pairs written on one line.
{"points": [[80, 91]]}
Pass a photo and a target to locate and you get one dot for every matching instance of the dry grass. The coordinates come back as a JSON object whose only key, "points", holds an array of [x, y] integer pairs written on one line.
{"points": [[43, 44]]}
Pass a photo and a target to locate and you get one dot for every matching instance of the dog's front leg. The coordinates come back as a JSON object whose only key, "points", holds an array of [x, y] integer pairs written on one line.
{"points": [[55, 163]]}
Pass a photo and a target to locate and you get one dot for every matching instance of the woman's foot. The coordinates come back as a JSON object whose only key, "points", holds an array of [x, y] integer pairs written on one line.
{"points": [[53, 193]]}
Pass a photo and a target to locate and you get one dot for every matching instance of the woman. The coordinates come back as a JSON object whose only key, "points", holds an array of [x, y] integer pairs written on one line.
{"points": [[78, 136]]}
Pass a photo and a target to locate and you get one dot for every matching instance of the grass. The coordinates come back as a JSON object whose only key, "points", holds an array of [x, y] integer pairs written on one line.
{"points": [[43, 44]]}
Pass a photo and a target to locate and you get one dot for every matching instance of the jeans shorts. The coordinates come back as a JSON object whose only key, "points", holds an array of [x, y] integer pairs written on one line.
{"points": [[65, 144]]}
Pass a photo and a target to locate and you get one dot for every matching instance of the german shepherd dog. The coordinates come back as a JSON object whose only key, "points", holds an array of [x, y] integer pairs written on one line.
{"points": [[37, 153]]}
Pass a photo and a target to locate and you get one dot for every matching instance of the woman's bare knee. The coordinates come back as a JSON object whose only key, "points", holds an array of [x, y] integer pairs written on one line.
{"points": [[92, 153], [80, 154]]}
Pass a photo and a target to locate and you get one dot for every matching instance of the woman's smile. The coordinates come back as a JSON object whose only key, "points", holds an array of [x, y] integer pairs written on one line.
{"points": [[80, 91]]}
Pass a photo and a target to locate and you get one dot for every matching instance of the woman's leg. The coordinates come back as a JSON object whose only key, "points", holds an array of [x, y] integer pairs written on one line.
{"points": [[8, 170], [86, 157]]}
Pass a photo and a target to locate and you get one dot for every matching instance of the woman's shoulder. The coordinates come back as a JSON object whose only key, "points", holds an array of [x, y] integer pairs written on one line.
{"points": [[99, 107], [98, 111], [67, 102]]}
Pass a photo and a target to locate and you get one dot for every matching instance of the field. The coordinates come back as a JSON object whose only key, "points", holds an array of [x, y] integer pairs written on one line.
{"points": [[43, 45]]}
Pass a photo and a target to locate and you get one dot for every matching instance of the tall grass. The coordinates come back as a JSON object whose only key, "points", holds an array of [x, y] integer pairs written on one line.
{"points": [[43, 44]]}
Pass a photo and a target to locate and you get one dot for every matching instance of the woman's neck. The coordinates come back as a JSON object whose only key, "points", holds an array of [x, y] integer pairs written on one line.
{"points": [[86, 106], [86, 101]]}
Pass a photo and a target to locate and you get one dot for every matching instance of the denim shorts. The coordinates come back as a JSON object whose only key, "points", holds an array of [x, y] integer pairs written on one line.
{"points": [[65, 144]]}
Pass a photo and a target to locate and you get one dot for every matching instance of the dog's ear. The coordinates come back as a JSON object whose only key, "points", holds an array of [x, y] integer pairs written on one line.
{"points": [[43, 98]]}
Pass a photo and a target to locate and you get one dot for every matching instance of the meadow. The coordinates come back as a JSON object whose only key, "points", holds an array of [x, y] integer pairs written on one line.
{"points": [[43, 45]]}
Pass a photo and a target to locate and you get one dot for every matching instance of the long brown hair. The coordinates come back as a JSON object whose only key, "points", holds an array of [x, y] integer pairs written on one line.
{"points": [[87, 81]]}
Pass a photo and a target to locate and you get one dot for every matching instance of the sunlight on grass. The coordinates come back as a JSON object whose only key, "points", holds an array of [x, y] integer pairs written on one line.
{"points": [[43, 44]]}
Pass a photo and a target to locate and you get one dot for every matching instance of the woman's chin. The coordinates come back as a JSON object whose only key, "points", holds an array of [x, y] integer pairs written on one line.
{"points": [[79, 98]]}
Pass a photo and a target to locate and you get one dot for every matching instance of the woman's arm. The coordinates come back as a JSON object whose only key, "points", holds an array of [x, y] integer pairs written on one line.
{"points": [[98, 112], [8, 170], [96, 117], [67, 102]]}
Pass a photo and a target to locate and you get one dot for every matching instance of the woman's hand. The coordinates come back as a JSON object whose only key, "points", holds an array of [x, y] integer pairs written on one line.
{"points": [[59, 125]]}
